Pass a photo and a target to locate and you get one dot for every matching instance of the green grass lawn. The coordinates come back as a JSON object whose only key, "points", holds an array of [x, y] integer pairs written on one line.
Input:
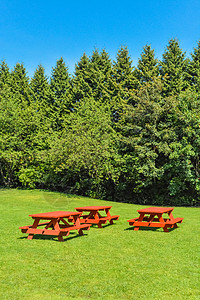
{"points": [[114, 262]]}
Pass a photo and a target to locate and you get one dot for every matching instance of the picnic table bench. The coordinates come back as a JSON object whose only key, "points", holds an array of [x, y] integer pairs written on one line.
{"points": [[59, 224], [152, 217], [93, 215]]}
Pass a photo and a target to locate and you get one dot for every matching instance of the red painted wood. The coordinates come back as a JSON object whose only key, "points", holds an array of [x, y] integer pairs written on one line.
{"points": [[55, 215], [57, 225], [132, 220], [174, 221], [156, 210], [94, 217], [41, 224], [152, 217], [92, 208]]}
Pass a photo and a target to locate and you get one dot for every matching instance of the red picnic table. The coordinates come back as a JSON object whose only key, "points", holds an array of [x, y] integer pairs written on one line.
{"points": [[152, 217], [59, 223], [94, 216]]}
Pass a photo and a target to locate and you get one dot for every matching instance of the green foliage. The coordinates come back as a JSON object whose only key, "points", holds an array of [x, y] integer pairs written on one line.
{"points": [[88, 147], [40, 89], [61, 94], [173, 69], [20, 84], [111, 131], [92, 77], [194, 69], [4, 76], [160, 139], [147, 67], [81, 80]]}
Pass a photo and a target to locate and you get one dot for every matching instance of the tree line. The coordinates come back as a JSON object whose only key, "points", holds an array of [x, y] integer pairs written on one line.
{"points": [[111, 130]]}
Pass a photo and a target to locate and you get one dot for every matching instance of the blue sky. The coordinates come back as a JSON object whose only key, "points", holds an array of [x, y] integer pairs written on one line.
{"points": [[40, 32]]}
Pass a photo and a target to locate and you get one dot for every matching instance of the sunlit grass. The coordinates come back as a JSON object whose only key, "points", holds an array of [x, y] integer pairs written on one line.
{"points": [[110, 263]]}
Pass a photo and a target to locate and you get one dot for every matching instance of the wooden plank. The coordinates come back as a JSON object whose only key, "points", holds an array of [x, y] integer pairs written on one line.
{"points": [[132, 220], [42, 231], [29, 226], [174, 221], [75, 227], [156, 210], [93, 221], [149, 224]]}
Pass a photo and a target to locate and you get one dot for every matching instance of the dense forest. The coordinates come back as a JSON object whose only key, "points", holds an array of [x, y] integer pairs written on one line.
{"points": [[111, 130]]}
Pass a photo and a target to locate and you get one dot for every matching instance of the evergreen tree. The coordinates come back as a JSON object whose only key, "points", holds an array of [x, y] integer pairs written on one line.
{"points": [[81, 80], [92, 77], [173, 69], [147, 68], [123, 70], [20, 84], [195, 68], [40, 90], [123, 82], [5, 78], [60, 85], [4, 74], [61, 91], [100, 70]]}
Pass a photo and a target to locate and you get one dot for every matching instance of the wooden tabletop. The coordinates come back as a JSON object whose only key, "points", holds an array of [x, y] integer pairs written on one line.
{"points": [[155, 210], [92, 208], [55, 214]]}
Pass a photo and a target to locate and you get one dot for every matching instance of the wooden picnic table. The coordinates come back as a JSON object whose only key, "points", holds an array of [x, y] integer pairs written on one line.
{"points": [[93, 215], [58, 223], [153, 217]]}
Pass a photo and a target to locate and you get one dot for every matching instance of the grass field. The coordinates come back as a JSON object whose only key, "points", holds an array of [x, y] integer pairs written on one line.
{"points": [[110, 263]]}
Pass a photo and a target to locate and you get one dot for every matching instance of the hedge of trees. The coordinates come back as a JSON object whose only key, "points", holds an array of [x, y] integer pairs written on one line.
{"points": [[111, 130]]}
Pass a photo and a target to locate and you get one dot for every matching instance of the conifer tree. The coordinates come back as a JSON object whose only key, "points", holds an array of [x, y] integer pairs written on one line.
{"points": [[60, 85], [61, 92], [40, 89], [92, 77], [124, 77], [4, 79], [4, 73], [20, 84], [124, 82], [81, 80], [195, 68], [147, 67], [173, 69], [123, 70], [100, 70]]}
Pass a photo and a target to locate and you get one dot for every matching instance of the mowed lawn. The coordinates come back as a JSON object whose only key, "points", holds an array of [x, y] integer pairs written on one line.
{"points": [[114, 262]]}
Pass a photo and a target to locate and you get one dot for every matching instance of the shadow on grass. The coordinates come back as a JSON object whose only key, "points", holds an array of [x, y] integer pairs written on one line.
{"points": [[155, 229], [103, 226], [54, 238]]}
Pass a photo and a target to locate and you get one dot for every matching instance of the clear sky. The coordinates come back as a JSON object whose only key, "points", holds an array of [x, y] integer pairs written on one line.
{"points": [[40, 32]]}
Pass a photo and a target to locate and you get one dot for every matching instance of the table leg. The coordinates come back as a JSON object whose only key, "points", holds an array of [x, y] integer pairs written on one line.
{"points": [[163, 221], [96, 217], [60, 238], [165, 229], [80, 231], [30, 236], [140, 219], [171, 217], [109, 215], [35, 224], [108, 212], [78, 223]]}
